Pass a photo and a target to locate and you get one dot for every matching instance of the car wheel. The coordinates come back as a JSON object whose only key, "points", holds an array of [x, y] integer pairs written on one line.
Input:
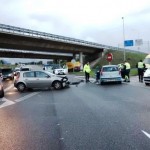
{"points": [[101, 83], [2, 93], [146, 83], [57, 85], [21, 87], [120, 82]]}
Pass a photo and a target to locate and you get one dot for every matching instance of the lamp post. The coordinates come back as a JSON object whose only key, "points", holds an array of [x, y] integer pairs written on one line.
{"points": [[124, 53]]}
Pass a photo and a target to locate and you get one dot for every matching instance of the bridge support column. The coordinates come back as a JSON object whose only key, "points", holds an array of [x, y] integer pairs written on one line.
{"points": [[81, 60]]}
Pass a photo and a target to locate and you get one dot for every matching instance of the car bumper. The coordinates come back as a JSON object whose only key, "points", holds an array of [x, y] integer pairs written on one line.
{"points": [[7, 77], [119, 79], [146, 79]]}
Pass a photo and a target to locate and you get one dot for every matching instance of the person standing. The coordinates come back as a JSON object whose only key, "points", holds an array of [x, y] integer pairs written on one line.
{"points": [[127, 68], [97, 74], [141, 66], [87, 71]]}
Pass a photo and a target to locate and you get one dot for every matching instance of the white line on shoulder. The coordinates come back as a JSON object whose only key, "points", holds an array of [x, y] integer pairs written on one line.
{"points": [[147, 134]]}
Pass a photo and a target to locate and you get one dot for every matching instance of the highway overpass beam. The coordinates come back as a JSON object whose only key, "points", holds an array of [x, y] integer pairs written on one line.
{"points": [[81, 59]]}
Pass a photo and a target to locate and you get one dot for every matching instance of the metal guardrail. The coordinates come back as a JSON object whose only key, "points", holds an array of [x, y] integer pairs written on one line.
{"points": [[33, 33], [33, 52]]}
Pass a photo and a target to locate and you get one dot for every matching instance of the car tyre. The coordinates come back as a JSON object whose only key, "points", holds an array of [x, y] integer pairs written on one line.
{"points": [[2, 93], [21, 87], [120, 82], [146, 83], [101, 83], [57, 85]]}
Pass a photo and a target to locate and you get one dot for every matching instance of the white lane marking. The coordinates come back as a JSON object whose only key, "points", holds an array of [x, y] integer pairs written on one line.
{"points": [[147, 134], [26, 97], [8, 88], [6, 102]]}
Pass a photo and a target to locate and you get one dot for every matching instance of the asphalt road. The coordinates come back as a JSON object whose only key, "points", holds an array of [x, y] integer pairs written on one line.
{"points": [[86, 117]]}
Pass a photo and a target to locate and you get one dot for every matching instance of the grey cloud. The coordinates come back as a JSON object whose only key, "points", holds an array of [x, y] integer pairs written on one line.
{"points": [[59, 25]]}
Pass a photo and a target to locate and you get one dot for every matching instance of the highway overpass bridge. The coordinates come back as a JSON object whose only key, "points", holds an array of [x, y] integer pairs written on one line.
{"points": [[18, 42], [29, 40]]}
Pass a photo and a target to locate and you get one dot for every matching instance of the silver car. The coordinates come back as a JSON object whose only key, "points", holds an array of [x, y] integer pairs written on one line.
{"points": [[39, 79], [110, 73]]}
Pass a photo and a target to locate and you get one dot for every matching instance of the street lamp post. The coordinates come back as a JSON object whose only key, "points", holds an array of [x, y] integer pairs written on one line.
{"points": [[124, 54]]}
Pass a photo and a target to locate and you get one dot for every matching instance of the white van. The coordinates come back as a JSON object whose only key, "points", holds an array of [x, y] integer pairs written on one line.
{"points": [[147, 61]]}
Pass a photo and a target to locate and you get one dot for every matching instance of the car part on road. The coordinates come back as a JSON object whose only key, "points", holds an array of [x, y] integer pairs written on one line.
{"points": [[76, 83]]}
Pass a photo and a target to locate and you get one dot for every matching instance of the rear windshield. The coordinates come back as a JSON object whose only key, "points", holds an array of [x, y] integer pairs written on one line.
{"points": [[110, 69]]}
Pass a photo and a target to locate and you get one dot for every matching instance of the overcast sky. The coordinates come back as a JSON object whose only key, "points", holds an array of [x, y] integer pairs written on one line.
{"points": [[97, 21]]}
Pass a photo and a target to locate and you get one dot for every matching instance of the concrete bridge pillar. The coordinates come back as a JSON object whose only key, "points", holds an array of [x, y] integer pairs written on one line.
{"points": [[81, 59]]}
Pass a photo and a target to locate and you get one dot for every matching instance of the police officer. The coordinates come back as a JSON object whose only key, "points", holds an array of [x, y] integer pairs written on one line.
{"points": [[141, 68], [87, 71], [127, 68]]}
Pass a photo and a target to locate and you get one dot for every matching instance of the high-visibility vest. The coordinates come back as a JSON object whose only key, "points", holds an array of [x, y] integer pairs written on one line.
{"points": [[140, 65], [121, 66], [127, 65], [86, 68]]}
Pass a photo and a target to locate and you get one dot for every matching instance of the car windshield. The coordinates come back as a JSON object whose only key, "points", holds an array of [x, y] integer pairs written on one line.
{"points": [[147, 61]]}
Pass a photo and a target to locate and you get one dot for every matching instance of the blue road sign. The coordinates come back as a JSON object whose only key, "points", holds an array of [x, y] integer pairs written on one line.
{"points": [[128, 43]]}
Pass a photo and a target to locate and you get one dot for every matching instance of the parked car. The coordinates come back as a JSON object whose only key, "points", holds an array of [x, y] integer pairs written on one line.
{"points": [[16, 70], [7, 73], [56, 69], [146, 77], [39, 79], [110, 73]]}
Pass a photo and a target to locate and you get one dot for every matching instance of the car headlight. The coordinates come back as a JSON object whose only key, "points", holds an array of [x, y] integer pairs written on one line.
{"points": [[64, 79]]}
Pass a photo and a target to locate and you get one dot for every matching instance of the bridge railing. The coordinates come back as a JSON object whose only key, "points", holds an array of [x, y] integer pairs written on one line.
{"points": [[33, 33]]}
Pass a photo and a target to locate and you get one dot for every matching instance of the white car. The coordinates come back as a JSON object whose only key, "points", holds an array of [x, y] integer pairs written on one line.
{"points": [[110, 73], [60, 71], [56, 69], [146, 77]]}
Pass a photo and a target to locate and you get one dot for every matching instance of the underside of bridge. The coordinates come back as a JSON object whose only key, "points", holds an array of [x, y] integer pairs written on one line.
{"points": [[40, 44], [33, 56]]}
